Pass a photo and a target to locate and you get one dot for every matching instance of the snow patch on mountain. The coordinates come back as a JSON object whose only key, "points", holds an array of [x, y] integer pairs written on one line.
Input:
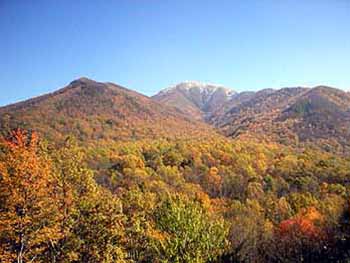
{"points": [[206, 89]]}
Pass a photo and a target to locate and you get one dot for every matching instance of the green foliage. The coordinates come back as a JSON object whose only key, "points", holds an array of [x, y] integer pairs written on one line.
{"points": [[187, 233]]}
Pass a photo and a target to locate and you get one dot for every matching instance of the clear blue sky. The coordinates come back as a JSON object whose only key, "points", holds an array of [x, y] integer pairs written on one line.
{"points": [[148, 45]]}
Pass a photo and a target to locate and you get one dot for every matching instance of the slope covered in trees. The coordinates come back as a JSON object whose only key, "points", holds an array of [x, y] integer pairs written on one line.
{"points": [[320, 116], [94, 111], [112, 176], [161, 201]]}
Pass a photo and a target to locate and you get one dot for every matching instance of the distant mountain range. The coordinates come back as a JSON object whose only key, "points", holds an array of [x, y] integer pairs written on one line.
{"points": [[93, 110], [318, 115], [291, 115]]}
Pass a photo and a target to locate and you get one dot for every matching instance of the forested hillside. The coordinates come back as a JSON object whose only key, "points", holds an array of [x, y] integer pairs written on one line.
{"points": [[99, 112], [98, 173], [318, 116]]}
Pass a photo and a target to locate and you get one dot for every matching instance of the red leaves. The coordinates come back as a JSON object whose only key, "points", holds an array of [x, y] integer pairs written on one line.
{"points": [[21, 139], [304, 223]]}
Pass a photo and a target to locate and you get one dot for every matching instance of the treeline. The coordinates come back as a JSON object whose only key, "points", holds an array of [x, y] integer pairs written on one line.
{"points": [[171, 201]]}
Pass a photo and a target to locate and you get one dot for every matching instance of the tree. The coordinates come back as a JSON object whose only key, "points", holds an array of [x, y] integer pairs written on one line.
{"points": [[92, 220], [139, 206], [187, 233], [99, 229], [249, 232], [29, 212], [212, 181], [301, 238]]}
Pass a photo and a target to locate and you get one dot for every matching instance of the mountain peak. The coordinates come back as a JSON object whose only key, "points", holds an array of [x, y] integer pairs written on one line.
{"points": [[202, 87], [196, 99], [83, 80]]}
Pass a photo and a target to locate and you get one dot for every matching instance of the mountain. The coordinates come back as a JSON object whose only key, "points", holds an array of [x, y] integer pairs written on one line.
{"points": [[92, 110], [197, 100], [95, 111], [320, 115]]}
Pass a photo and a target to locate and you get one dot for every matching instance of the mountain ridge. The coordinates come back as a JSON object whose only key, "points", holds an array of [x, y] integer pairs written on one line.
{"points": [[320, 115], [92, 110]]}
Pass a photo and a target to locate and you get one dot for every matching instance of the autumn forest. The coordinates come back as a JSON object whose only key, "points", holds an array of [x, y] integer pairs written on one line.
{"points": [[95, 172]]}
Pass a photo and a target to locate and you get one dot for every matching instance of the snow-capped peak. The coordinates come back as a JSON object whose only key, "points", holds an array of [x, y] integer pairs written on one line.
{"points": [[204, 88]]}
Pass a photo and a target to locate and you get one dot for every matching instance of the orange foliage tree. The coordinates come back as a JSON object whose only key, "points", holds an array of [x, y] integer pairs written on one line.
{"points": [[28, 209]]}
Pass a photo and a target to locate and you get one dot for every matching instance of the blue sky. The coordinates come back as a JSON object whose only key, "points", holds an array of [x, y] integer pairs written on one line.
{"points": [[148, 45]]}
